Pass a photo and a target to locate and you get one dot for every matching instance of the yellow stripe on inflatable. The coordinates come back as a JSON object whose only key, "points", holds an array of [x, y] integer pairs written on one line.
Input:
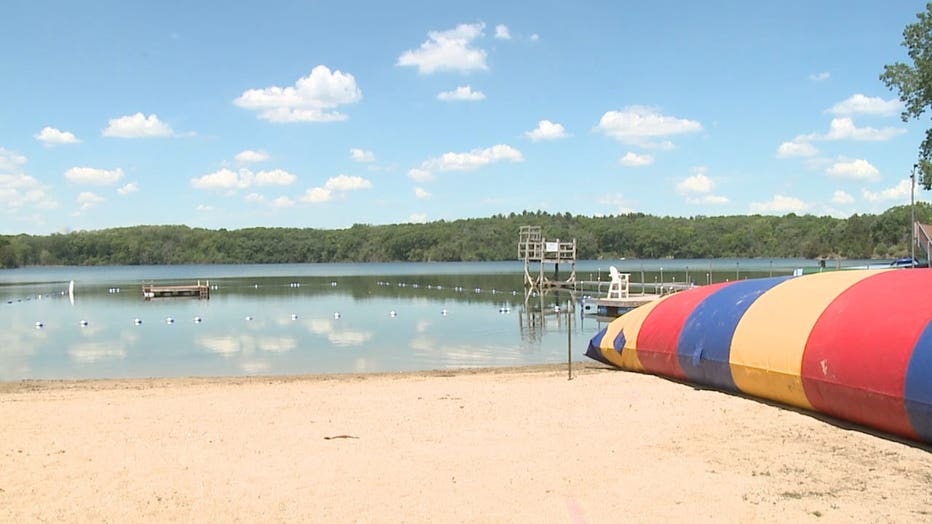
{"points": [[768, 344], [631, 323]]}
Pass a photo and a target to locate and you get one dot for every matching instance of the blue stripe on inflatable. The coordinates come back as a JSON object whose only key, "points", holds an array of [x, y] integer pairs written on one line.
{"points": [[918, 391], [704, 345], [594, 351], [619, 342]]}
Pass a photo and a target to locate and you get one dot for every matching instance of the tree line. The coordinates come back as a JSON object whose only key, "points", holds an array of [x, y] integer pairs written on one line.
{"points": [[632, 235]]}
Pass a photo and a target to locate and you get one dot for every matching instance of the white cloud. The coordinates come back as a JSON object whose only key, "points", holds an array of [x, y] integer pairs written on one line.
{"points": [[335, 187], [469, 161], [417, 218], [254, 198], [10, 161], [858, 169], [698, 189], [204, 208], [796, 148], [137, 126], [249, 156], [842, 198], [20, 190], [93, 176], [844, 129], [283, 202], [461, 93], [420, 175], [275, 177], [316, 195], [547, 130], [898, 192], [51, 136], [313, 98], [231, 180], [502, 32], [17, 189], [640, 125], [449, 50], [421, 193], [698, 183], [347, 183], [780, 204], [362, 155], [535, 37], [820, 77], [477, 158], [868, 105], [223, 179], [88, 200], [635, 160], [128, 188]]}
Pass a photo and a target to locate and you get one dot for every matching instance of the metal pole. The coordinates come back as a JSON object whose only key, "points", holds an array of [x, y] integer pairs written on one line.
{"points": [[569, 346], [912, 207]]}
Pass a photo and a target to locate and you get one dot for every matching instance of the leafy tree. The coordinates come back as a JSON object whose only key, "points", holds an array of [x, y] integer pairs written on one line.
{"points": [[914, 83]]}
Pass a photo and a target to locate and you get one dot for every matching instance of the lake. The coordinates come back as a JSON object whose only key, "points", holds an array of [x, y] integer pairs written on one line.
{"points": [[286, 319]]}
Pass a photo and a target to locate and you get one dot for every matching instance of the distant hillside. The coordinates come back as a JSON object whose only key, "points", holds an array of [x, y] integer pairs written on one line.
{"points": [[633, 235]]}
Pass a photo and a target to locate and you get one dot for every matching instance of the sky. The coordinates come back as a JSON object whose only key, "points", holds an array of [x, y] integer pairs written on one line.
{"points": [[328, 114]]}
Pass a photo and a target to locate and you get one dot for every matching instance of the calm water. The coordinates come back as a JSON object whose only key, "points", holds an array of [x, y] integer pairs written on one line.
{"points": [[307, 318]]}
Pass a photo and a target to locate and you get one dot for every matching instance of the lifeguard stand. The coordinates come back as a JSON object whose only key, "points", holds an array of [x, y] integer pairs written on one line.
{"points": [[533, 248]]}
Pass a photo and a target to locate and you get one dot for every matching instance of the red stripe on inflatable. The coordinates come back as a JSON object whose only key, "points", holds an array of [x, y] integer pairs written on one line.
{"points": [[855, 362], [660, 332]]}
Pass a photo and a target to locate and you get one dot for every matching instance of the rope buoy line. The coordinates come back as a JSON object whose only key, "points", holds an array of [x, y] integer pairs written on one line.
{"points": [[503, 308]]}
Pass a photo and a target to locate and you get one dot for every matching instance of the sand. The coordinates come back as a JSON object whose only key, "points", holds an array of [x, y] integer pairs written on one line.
{"points": [[512, 445]]}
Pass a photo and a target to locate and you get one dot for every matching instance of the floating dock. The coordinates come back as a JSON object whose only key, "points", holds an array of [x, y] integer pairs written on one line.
{"points": [[613, 307], [199, 290], [619, 300]]}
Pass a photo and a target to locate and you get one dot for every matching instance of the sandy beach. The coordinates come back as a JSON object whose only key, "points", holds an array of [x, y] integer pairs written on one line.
{"points": [[506, 445]]}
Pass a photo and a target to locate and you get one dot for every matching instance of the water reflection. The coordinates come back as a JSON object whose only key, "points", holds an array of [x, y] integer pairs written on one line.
{"points": [[270, 325]]}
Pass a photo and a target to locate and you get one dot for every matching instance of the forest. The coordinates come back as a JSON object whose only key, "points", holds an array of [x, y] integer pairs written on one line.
{"points": [[633, 235]]}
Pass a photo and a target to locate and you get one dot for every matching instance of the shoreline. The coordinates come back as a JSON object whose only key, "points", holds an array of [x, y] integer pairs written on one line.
{"points": [[489, 444], [41, 384]]}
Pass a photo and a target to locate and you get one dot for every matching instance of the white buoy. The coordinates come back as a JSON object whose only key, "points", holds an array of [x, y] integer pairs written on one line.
{"points": [[443, 312], [84, 323], [169, 320], [248, 317], [137, 321], [294, 316], [392, 313], [39, 325], [336, 316], [197, 320]]}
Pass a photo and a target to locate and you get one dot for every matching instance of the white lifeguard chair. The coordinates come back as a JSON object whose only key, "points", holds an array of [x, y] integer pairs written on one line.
{"points": [[618, 287]]}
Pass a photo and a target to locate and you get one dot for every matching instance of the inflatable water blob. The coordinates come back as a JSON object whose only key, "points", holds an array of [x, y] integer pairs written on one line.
{"points": [[855, 344]]}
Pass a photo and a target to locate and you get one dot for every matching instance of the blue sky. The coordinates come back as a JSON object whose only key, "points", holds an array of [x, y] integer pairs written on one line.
{"points": [[325, 114]]}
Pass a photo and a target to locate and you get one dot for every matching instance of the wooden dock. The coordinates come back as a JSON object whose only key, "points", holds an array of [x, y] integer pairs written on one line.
{"points": [[613, 307], [198, 290]]}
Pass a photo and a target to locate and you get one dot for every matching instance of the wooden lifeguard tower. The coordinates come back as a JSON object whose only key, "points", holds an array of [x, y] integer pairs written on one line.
{"points": [[534, 249]]}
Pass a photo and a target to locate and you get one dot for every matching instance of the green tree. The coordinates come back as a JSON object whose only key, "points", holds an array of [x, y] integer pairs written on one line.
{"points": [[914, 83]]}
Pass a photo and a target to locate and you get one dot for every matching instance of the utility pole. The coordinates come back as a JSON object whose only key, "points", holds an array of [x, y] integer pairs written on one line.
{"points": [[912, 209]]}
